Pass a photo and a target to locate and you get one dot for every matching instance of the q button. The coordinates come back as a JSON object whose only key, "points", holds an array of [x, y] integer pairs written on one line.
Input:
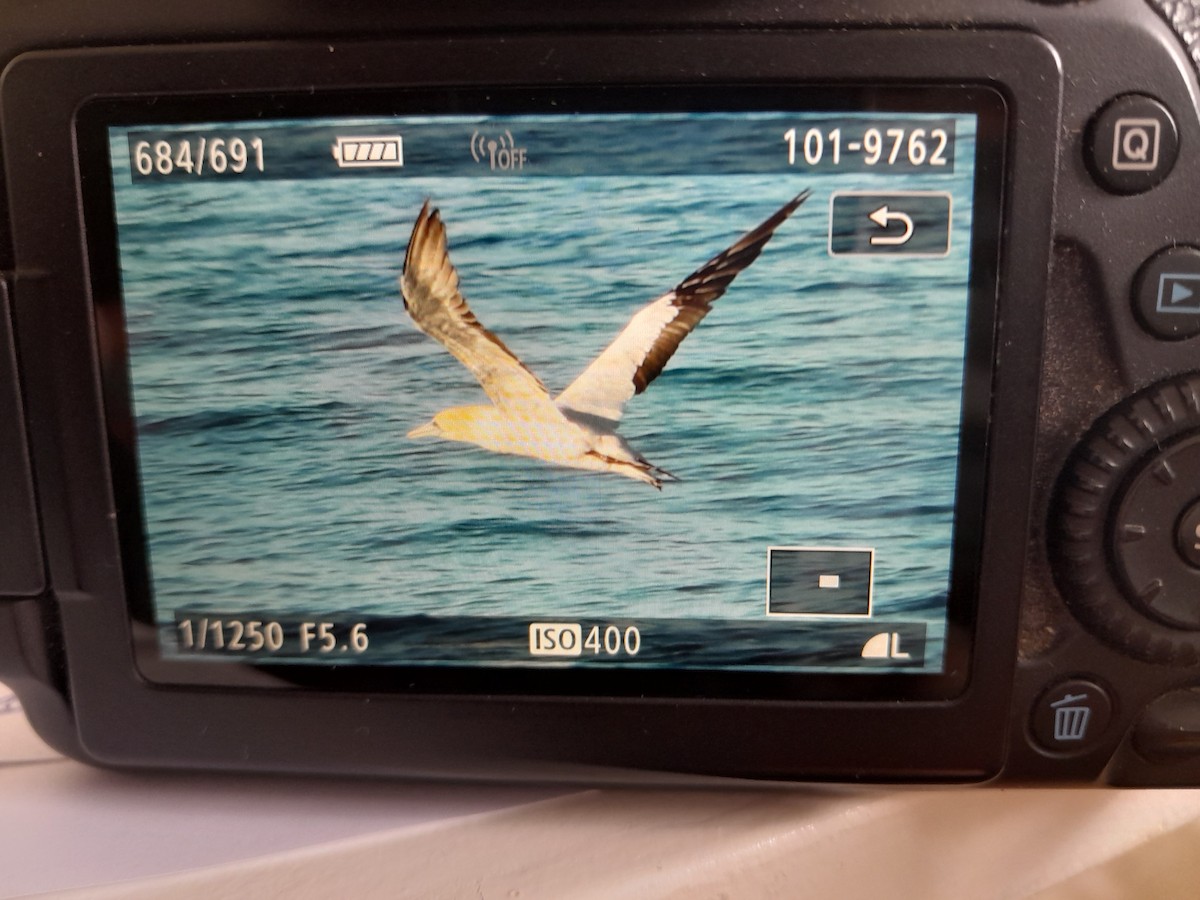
{"points": [[1132, 144]]}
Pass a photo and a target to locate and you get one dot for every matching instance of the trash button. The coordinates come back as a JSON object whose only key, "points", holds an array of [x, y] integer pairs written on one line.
{"points": [[1072, 717]]}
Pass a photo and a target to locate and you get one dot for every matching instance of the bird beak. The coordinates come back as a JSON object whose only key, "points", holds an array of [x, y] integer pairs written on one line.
{"points": [[429, 429]]}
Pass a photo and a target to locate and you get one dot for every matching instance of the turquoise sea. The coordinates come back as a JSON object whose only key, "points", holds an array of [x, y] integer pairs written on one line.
{"points": [[275, 375]]}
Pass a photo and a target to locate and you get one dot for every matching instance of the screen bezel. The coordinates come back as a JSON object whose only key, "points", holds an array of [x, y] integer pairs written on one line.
{"points": [[987, 103], [121, 719]]}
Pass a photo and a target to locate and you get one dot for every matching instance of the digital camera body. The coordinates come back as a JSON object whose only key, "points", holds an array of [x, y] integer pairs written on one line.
{"points": [[920, 499]]}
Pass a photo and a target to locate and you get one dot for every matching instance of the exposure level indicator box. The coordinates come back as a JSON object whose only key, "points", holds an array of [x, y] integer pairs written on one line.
{"points": [[820, 581]]}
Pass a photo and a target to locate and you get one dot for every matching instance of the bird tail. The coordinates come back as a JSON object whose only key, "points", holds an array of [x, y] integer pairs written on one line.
{"points": [[636, 468], [662, 473]]}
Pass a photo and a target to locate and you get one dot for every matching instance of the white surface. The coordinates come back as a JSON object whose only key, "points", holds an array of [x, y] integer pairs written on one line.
{"points": [[68, 828], [64, 825]]}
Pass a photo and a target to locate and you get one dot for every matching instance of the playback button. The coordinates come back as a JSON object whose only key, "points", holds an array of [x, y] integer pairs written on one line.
{"points": [[1166, 294]]}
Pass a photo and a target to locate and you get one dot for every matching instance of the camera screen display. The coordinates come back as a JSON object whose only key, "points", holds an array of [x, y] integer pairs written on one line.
{"points": [[513, 390]]}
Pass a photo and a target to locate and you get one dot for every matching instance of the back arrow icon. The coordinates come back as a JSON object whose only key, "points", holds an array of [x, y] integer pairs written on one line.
{"points": [[882, 217]]}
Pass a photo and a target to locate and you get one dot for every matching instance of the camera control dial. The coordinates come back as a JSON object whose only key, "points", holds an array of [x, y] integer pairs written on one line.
{"points": [[1124, 539], [1149, 548]]}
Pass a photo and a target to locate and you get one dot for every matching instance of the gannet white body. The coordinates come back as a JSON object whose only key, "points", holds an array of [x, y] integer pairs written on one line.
{"points": [[578, 428]]}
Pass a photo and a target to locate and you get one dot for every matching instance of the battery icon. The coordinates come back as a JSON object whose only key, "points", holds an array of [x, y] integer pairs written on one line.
{"points": [[369, 152]]}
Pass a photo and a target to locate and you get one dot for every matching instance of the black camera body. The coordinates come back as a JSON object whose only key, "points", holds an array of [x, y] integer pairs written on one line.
{"points": [[1018, 175]]}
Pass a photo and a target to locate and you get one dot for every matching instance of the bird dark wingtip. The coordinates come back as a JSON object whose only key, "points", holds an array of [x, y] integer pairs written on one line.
{"points": [[790, 207], [798, 200], [428, 219]]}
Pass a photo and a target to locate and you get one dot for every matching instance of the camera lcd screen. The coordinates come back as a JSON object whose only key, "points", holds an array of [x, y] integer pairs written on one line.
{"points": [[551, 392]]}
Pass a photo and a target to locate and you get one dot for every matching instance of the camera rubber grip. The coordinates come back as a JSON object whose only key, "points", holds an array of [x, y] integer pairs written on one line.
{"points": [[1184, 17]]}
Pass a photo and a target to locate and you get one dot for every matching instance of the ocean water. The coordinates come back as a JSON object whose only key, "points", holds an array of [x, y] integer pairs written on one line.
{"points": [[275, 375]]}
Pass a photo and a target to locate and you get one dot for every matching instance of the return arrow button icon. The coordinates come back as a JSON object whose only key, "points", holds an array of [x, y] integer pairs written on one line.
{"points": [[884, 217], [890, 223]]}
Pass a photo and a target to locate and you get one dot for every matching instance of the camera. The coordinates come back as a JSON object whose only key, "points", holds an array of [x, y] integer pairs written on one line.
{"points": [[605, 395]]}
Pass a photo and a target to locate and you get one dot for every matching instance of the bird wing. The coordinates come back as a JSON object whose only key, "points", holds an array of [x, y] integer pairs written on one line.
{"points": [[429, 286], [638, 354]]}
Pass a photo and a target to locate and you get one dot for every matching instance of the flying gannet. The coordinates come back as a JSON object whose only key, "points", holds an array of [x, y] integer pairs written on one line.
{"points": [[578, 428]]}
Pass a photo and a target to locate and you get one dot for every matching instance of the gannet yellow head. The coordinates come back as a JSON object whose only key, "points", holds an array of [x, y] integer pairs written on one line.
{"points": [[458, 423], [429, 429]]}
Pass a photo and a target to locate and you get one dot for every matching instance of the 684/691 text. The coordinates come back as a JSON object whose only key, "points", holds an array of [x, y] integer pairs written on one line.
{"points": [[196, 155]]}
